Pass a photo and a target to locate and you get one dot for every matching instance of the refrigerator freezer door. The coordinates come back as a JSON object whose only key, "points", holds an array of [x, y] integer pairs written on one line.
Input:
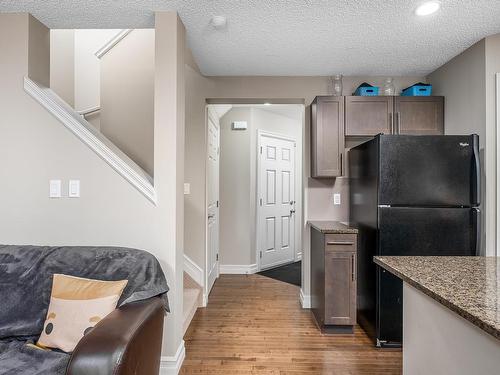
{"points": [[417, 231], [429, 170], [427, 231]]}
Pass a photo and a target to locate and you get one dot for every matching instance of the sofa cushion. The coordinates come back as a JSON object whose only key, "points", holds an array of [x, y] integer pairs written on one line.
{"points": [[76, 306], [26, 280], [18, 358]]}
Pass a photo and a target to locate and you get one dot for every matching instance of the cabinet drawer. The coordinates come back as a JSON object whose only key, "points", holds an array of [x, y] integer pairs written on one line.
{"points": [[340, 242]]}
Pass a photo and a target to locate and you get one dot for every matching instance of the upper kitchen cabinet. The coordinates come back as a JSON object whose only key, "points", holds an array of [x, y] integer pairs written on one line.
{"points": [[368, 115], [419, 115], [327, 136]]}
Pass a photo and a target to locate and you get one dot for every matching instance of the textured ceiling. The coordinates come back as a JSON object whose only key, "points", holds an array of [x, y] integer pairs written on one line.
{"points": [[295, 37]]}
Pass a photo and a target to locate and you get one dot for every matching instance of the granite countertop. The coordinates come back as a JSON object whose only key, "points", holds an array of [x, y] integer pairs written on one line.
{"points": [[469, 286], [333, 227]]}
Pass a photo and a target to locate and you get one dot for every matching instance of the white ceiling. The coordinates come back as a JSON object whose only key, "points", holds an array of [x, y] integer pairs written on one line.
{"points": [[295, 37]]}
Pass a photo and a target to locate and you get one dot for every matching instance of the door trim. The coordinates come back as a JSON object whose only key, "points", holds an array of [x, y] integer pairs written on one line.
{"points": [[209, 115], [297, 193]]}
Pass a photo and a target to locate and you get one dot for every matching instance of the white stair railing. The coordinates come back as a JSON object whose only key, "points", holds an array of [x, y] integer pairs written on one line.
{"points": [[94, 139]]}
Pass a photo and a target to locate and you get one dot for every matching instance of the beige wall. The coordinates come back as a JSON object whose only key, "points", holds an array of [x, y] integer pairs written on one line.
{"points": [[62, 64], [235, 220], [127, 96], [110, 211], [468, 84], [490, 201], [318, 195]]}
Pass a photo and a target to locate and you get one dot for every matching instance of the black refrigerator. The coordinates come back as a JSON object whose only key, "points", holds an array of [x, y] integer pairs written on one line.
{"points": [[409, 195]]}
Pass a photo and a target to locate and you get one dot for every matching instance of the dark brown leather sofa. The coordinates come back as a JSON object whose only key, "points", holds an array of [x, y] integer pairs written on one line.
{"points": [[126, 342]]}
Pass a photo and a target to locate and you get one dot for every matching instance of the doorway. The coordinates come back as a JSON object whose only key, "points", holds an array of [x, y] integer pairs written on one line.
{"points": [[243, 236]]}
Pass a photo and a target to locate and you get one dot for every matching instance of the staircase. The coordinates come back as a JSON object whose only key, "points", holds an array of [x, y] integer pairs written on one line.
{"points": [[193, 298]]}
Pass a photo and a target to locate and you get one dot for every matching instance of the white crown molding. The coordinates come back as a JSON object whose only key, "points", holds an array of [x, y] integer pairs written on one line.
{"points": [[171, 365], [238, 269], [90, 136], [112, 42], [193, 270], [305, 300]]}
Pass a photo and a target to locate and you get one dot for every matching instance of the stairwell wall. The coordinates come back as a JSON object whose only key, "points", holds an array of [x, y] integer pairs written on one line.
{"points": [[35, 147]]}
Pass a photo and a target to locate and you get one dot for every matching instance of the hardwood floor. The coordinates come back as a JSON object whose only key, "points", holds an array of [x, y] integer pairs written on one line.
{"points": [[255, 325]]}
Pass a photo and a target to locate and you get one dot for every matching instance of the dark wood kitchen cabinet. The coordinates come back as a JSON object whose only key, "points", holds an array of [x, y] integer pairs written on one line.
{"points": [[419, 115], [415, 115], [333, 280], [368, 115], [327, 136]]}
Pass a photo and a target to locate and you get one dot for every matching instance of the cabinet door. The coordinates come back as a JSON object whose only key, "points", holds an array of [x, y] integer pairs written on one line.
{"points": [[340, 287], [368, 115], [419, 115], [327, 136]]}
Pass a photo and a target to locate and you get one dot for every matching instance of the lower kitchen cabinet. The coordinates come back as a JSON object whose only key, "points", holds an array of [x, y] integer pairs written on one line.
{"points": [[333, 280]]}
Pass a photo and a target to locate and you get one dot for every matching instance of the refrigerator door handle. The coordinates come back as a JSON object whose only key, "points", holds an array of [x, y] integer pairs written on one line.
{"points": [[476, 193], [476, 217]]}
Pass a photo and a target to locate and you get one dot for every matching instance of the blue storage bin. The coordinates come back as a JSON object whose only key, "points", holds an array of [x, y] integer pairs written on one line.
{"points": [[366, 91], [417, 90]]}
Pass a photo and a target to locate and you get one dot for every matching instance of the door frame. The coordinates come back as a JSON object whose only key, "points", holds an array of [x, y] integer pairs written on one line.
{"points": [[210, 114], [297, 193]]}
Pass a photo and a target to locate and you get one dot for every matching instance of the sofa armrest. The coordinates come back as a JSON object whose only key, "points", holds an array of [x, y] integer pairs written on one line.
{"points": [[127, 341]]}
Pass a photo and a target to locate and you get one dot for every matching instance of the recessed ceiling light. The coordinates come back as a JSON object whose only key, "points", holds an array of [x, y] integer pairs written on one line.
{"points": [[267, 103], [428, 8]]}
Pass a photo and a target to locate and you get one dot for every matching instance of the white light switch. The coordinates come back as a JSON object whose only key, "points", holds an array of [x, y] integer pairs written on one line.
{"points": [[74, 189], [187, 188], [336, 198], [55, 189]]}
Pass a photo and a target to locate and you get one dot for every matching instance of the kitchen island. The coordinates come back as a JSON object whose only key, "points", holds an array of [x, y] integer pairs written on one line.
{"points": [[451, 313]]}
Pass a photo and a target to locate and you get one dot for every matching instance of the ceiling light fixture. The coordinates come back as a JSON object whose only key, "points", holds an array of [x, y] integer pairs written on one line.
{"points": [[219, 22], [267, 103], [428, 8]]}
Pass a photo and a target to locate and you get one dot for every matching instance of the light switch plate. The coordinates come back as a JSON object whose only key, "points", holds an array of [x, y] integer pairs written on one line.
{"points": [[187, 188], [74, 189], [55, 189], [336, 199]]}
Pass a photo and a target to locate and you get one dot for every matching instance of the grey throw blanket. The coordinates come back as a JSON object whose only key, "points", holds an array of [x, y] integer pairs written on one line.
{"points": [[26, 280]]}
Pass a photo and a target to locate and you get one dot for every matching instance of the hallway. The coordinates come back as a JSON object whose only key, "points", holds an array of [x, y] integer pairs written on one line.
{"points": [[255, 325]]}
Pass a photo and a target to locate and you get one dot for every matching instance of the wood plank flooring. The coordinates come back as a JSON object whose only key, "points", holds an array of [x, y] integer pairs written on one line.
{"points": [[255, 325]]}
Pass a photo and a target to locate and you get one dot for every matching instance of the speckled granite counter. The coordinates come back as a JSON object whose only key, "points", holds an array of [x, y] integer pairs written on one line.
{"points": [[332, 227], [469, 286]]}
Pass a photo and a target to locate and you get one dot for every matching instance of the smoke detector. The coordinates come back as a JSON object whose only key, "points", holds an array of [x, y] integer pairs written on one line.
{"points": [[218, 22]]}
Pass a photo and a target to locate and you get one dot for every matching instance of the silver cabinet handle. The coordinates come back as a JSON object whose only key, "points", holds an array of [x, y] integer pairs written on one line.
{"points": [[391, 122], [340, 243], [211, 216], [352, 260], [398, 123]]}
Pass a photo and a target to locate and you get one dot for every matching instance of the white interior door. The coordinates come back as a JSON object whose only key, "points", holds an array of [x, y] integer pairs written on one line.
{"points": [[276, 205], [212, 201]]}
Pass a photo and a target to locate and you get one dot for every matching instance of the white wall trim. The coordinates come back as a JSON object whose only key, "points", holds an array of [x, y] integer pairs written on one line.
{"points": [[305, 300], [90, 136], [238, 269], [112, 42], [171, 365], [194, 271], [497, 150]]}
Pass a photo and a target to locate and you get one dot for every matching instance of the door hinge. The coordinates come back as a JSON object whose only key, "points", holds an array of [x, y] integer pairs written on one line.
{"points": [[217, 203], [261, 149], [261, 255], [261, 201], [217, 257]]}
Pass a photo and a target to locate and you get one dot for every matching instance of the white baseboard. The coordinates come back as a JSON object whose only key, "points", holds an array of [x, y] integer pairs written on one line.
{"points": [[238, 269], [305, 300], [171, 365], [193, 270]]}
